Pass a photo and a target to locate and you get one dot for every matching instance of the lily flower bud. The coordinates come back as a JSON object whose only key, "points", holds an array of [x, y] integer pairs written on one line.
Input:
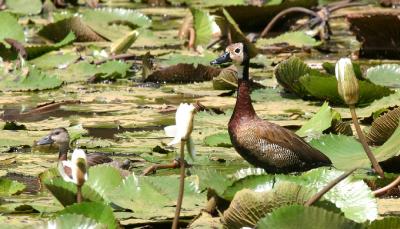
{"points": [[347, 81], [184, 126], [75, 170]]}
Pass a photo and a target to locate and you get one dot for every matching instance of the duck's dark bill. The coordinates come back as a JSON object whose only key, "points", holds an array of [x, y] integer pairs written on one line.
{"points": [[222, 59], [45, 141]]}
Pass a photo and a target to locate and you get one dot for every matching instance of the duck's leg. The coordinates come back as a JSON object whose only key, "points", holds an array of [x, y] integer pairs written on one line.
{"points": [[174, 165]]}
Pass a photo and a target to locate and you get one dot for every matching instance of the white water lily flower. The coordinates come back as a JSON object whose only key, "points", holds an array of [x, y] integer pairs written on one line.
{"points": [[183, 127], [74, 170], [347, 81]]}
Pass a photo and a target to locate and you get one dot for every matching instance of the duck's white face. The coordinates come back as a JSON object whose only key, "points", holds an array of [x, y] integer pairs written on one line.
{"points": [[236, 53]]}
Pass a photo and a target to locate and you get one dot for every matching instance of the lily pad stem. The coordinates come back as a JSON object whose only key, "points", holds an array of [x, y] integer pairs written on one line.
{"points": [[364, 143], [181, 186], [79, 197], [328, 187], [382, 191]]}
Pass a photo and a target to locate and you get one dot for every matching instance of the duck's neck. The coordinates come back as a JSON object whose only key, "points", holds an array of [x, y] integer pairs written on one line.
{"points": [[63, 152], [243, 107]]}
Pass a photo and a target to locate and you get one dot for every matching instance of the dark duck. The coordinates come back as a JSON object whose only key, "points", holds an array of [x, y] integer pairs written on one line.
{"points": [[60, 138], [262, 143]]}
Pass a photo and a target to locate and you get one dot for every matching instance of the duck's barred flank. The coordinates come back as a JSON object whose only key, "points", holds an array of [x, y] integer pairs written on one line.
{"points": [[261, 143]]}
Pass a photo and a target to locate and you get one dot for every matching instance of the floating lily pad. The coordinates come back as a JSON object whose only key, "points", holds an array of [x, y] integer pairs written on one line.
{"points": [[218, 140], [104, 179], [99, 212], [10, 187], [36, 50], [113, 23], [24, 6], [321, 121], [33, 81], [73, 221], [385, 75], [297, 39], [10, 28], [293, 217], [155, 197], [204, 25], [342, 149], [56, 59], [385, 223]]}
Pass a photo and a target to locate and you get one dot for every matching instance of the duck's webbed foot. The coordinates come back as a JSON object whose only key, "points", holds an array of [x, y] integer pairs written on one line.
{"points": [[174, 165]]}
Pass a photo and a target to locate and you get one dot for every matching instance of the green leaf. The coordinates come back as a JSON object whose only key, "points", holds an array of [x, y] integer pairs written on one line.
{"points": [[99, 212], [10, 28], [112, 70], [297, 39], [10, 187], [153, 197], [257, 183], [385, 223], [203, 24], [342, 149], [65, 192], [288, 73], [297, 216], [37, 50], [178, 58], [55, 59], [218, 140], [385, 75], [103, 179], [24, 6], [321, 121], [249, 206], [114, 23], [74, 221], [212, 179], [35, 80], [325, 88]]}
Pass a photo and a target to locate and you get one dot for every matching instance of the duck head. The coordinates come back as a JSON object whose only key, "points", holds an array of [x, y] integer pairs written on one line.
{"points": [[58, 136], [238, 55], [235, 53]]}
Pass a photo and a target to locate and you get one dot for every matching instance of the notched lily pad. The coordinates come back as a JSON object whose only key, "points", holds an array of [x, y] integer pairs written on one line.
{"points": [[385, 75], [297, 39], [10, 187]]}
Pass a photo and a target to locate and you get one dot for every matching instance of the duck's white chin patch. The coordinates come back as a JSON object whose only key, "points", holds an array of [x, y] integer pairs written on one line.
{"points": [[239, 71]]}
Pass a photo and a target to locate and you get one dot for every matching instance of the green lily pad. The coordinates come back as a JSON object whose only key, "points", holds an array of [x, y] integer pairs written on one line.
{"points": [[212, 179], [178, 58], [10, 187], [321, 121], [342, 149], [114, 23], [297, 39], [24, 6], [73, 221], [287, 74], [103, 179], [55, 59], [218, 140], [385, 75], [293, 217], [99, 212], [203, 24], [10, 28], [155, 197], [325, 88], [33, 81], [385, 223], [36, 50]]}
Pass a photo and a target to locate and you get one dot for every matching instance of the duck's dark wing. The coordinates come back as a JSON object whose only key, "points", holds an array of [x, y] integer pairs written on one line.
{"points": [[280, 136], [97, 158]]}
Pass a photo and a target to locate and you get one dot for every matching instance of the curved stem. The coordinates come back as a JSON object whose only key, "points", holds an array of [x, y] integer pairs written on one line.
{"points": [[382, 191], [284, 12], [328, 187], [181, 187], [79, 197], [364, 143]]}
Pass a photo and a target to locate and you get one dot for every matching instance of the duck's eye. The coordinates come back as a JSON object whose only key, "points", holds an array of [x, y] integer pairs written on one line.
{"points": [[237, 50], [56, 133]]}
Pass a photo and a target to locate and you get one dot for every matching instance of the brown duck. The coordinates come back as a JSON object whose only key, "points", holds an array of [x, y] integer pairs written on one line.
{"points": [[60, 137], [261, 143]]}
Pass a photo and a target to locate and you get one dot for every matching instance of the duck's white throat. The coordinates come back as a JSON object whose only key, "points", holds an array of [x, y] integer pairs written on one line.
{"points": [[239, 71]]}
